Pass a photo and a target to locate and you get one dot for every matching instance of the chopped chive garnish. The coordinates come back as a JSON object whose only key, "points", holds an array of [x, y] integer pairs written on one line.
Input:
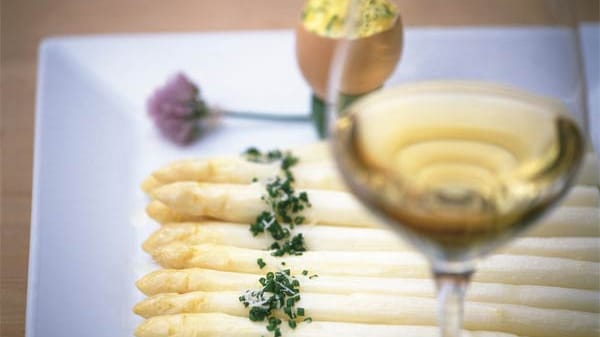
{"points": [[285, 205], [255, 155], [280, 292]]}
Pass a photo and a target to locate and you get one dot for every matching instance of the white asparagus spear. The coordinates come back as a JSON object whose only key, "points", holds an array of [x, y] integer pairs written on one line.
{"points": [[219, 325], [579, 196], [150, 183], [242, 203], [331, 238], [313, 171], [512, 269], [389, 309], [197, 279], [219, 169], [163, 214], [563, 222], [566, 221], [229, 170], [307, 176], [236, 169]]}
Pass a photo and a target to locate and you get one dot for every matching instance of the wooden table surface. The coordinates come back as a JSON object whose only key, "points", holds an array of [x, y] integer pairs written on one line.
{"points": [[25, 23]]}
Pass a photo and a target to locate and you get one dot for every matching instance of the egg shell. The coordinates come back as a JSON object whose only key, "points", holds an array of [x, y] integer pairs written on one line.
{"points": [[370, 61]]}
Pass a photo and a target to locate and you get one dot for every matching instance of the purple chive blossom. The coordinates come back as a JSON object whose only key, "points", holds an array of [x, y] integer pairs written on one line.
{"points": [[176, 109]]}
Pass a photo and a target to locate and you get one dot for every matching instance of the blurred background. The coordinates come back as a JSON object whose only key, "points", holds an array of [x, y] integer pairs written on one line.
{"points": [[25, 23]]}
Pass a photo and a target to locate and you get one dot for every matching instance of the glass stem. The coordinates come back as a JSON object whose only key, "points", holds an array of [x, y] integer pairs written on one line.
{"points": [[451, 296]]}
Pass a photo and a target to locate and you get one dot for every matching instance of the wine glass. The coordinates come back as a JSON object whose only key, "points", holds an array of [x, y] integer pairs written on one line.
{"points": [[475, 136]]}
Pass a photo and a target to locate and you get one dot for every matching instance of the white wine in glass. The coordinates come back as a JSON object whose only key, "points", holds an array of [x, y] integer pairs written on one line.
{"points": [[472, 139], [457, 167]]}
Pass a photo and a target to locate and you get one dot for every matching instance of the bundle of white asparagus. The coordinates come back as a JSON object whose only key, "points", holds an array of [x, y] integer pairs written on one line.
{"points": [[370, 283]]}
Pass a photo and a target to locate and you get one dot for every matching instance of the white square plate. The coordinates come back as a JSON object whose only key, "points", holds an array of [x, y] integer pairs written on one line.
{"points": [[94, 144]]}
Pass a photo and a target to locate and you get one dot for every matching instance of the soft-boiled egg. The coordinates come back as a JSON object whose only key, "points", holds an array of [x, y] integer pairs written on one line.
{"points": [[375, 44]]}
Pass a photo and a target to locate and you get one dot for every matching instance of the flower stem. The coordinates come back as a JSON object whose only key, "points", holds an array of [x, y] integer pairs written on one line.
{"points": [[266, 116]]}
